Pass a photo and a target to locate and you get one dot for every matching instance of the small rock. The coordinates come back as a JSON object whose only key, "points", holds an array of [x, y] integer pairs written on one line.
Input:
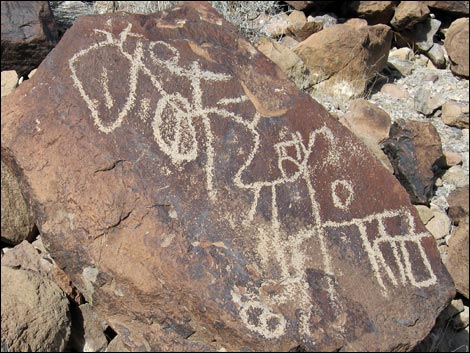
{"points": [[9, 82], [458, 205], [421, 60], [404, 53], [455, 114], [430, 77], [456, 176], [327, 20], [450, 159], [427, 103], [413, 149], [457, 261], [404, 67], [374, 12], [297, 17], [456, 44], [274, 26], [367, 121], [87, 330], [425, 213], [356, 22], [288, 42], [35, 313], [409, 13], [17, 218], [394, 91], [437, 56], [439, 225], [461, 320], [301, 31]]}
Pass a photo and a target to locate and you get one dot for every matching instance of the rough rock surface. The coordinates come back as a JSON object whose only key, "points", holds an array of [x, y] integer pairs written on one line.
{"points": [[453, 7], [374, 12], [343, 58], [414, 148], [455, 114], [409, 13], [457, 261], [87, 330], [458, 205], [198, 194], [28, 34], [456, 44], [9, 82], [35, 313], [17, 218]]}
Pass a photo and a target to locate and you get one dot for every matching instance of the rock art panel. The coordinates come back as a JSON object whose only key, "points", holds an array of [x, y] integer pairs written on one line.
{"points": [[201, 202]]}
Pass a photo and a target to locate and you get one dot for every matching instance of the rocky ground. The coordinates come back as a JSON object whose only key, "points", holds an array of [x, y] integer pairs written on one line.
{"points": [[413, 114]]}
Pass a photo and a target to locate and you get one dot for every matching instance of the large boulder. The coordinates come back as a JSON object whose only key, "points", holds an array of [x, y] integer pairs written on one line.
{"points": [[409, 13], [201, 202], [16, 217], [414, 148], [344, 58], [28, 34], [456, 8], [374, 12], [35, 313], [456, 44]]}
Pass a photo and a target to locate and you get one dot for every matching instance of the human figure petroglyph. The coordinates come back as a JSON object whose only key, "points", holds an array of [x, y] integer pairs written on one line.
{"points": [[181, 112], [178, 113], [398, 245]]}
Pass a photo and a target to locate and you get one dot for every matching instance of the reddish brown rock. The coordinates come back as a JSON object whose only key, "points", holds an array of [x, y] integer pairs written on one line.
{"points": [[452, 7], [28, 34], [201, 202], [456, 44], [374, 12], [343, 58], [414, 148], [457, 260], [409, 13], [458, 205]]}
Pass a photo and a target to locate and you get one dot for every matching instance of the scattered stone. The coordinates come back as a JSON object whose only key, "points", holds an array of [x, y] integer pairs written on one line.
{"points": [[287, 60], [439, 225], [413, 149], [449, 159], [420, 36], [456, 44], [404, 67], [458, 205], [367, 121], [16, 216], [409, 13], [327, 20], [404, 53], [453, 7], [274, 26], [430, 77], [273, 188], [9, 82], [374, 12], [355, 62], [437, 56], [28, 34], [425, 213], [394, 91], [457, 261], [461, 320], [35, 313], [456, 176], [426, 102], [455, 114], [87, 330]]}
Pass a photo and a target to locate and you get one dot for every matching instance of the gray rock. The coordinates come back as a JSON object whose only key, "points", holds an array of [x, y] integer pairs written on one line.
{"points": [[404, 67], [427, 103], [456, 176], [437, 56]]}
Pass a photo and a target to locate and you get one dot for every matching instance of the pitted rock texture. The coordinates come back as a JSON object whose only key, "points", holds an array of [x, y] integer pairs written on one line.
{"points": [[28, 33], [201, 202]]}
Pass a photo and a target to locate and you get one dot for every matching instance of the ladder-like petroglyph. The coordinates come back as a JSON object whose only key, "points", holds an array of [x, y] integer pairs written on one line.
{"points": [[173, 120]]}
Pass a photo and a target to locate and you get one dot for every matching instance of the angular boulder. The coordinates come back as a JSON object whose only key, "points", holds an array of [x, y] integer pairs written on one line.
{"points": [[28, 33], [458, 8], [456, 44], [374, 12], [17, 219], [35, 313], [409, 13], [414, 148], [201, 202], [344, 58]]}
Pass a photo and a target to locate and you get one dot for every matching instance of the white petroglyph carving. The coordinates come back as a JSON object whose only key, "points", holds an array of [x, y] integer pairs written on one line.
{"points": [[179, 114]]}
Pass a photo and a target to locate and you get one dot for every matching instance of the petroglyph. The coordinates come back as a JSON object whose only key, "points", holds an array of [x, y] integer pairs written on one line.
{"points": [[173, 124]]}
